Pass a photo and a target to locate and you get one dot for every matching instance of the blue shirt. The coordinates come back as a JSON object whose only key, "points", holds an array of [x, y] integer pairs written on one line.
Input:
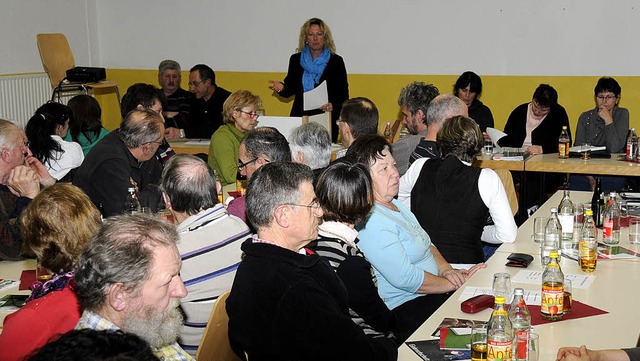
{"points": [[399, 251]]}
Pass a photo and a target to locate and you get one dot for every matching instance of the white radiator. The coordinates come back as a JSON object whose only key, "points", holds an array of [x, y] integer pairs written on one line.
{"points": [[21, 95]]}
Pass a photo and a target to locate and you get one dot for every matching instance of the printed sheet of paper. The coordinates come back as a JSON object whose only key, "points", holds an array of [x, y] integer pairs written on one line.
{"points": [[535, 278], [315, 98], [530, 297]]}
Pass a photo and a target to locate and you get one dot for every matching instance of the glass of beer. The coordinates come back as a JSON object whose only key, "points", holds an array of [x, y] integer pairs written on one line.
{"points": [[568, 298], [479, 342]]}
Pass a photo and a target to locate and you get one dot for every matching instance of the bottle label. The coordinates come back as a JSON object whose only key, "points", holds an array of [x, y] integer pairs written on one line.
{"points": [[552, 300], [566, 221], [499, 350], [607, 226], [562, 150], [522, 343]]}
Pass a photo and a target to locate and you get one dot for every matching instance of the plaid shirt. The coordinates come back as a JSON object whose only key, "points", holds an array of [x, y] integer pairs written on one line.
{"points": [[170, 352]]}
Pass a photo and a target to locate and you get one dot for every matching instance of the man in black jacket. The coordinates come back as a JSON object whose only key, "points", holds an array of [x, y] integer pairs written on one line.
{"points": [[286, 303]]}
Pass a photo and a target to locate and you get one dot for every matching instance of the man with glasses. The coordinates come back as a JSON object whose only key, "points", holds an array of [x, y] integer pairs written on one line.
{"points": [[21, 176], [285, 302], [259, 147], [125, 158], [206, 110]]}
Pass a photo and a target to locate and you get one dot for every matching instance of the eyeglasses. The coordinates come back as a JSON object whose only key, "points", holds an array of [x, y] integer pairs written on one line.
{"points": [[314, 206], [252, 115], [153, 141], [195, 84], [242, 165], [606, 98], [25, 143]]}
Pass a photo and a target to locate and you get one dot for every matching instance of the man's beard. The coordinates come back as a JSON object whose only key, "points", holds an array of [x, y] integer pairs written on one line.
{"points": [[157, 328]]}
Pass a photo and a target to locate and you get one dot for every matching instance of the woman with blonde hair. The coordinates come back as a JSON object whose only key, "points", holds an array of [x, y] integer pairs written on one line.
{"points": [[315, 62], [56, 227], [240, 116]]}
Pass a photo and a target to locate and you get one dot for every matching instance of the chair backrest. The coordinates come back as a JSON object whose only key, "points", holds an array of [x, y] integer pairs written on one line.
{"points": [[509, 187], [56, 56], [215, 341]]}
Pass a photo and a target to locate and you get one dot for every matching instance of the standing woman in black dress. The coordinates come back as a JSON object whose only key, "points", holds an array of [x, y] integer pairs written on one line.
{"points": [[315, 62]]}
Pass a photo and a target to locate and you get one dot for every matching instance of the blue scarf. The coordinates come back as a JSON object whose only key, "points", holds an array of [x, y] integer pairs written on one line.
{"points": [[313, 69]]}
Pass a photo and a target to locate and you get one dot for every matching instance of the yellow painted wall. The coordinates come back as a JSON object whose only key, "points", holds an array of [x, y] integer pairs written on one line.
{"points": [[501, 93]]}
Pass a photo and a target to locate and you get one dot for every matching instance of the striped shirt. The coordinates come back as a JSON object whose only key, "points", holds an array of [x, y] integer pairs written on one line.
{"points": [[210, 250]]}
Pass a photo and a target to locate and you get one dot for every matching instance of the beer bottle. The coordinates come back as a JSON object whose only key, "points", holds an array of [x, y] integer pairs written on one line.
{"points": [[563, 143], [387, 132], [552, 290], [499, 333], [632, 145], [241, 184], [595, 205], [131, 204], [521, 323]]}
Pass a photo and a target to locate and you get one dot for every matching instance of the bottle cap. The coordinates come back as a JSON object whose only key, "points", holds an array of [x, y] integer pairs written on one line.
{"points": [[588, 212], [131, 189], [553, 254], [554, 209], [499, 300], [518, 291]]}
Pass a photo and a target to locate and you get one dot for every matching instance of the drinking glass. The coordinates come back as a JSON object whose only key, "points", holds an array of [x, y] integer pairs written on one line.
{"points": [[568, 296], [539, 223], [488, 148], [586, 155], [502, 286], [634, 230], [533, 346], [479, 342], [624, 213]]}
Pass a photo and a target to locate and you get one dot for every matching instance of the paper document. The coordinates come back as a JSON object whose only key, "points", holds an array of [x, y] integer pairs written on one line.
{"points": [[584, 148], [495, 136], [315, 98], [535, 278], [530, 297], [198, 142]]}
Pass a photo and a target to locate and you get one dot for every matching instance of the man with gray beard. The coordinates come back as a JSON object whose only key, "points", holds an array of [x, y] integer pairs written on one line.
{"points": [[129, 278]]}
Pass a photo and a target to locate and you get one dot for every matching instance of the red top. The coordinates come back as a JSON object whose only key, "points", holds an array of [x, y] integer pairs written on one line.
{"points": [[36, 322]]}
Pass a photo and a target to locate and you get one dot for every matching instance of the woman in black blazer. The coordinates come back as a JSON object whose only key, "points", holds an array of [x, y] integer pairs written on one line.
{"points": [[315, 62]]}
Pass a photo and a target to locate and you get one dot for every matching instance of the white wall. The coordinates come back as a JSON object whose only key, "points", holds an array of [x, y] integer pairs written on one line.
{"points": [[21, 20], [498, 37]]}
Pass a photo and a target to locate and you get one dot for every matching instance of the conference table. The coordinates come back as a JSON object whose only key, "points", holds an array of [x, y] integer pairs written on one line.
{"points": [[12, 270], [614, 289]]}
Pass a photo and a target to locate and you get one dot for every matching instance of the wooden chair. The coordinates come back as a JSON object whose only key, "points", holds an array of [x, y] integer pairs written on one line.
{"points": [[215, 341], [57, 58], [509, 187]]}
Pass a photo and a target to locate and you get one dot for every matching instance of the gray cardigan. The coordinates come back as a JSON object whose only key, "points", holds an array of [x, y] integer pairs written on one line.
{"points": [[591, 129]]}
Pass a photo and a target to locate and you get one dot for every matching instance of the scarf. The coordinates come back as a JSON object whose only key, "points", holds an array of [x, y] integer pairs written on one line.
{"points": [[313, 69], [58, 282]]}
